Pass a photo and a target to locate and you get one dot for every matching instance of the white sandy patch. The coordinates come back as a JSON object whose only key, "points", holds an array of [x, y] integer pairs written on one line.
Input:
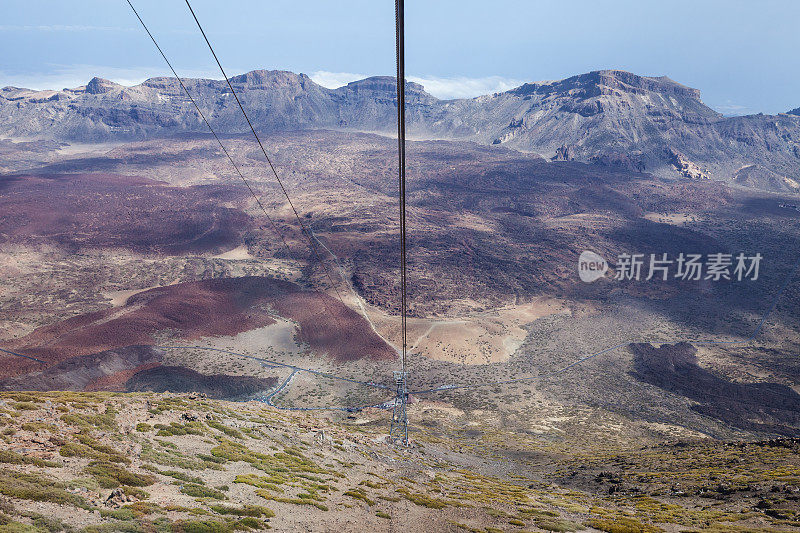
{"points": [[118, 298], [238, 253], [675, 219], [473, 338]]}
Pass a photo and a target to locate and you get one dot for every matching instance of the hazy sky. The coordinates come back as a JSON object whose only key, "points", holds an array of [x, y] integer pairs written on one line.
{"points": [[742, 55]]}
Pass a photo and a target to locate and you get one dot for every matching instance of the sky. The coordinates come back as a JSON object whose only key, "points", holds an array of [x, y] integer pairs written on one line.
{"points": [[742, 55]]}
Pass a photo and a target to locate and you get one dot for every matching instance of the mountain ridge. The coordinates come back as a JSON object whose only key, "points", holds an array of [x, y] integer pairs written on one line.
{"points": [[608, 117]]}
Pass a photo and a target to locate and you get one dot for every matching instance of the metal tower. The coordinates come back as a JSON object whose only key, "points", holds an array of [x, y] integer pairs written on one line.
{"points": [[399, 430]]}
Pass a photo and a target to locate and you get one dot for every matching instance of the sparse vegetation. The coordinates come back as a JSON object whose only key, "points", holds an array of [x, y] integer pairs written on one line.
{"points": [[110, 475], [294, 471], [7, 456], [36, 488], [201, 491]]}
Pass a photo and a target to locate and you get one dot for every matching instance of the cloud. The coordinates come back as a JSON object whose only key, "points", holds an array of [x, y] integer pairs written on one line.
{"points": [[463, 87], [62, 28], [443, 88], [63, 76], [334, 80], [732, 110]]}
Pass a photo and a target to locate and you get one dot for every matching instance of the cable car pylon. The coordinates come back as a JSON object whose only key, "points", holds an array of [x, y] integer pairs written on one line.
{"points": [[398, 433]]}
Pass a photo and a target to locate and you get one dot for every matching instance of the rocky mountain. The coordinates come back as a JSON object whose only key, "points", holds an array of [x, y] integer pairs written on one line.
{"points": [[611, 117]]}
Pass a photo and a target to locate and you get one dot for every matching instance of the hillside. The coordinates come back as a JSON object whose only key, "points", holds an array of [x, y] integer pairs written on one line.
{"points": [[184, 463], [612, 118]]}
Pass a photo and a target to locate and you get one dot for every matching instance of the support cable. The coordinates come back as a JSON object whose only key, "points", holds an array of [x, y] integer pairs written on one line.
{"points": [[266, 156], [208, 124], [401, 153]]}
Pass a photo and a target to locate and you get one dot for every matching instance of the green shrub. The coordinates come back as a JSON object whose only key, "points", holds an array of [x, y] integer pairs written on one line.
{"points": [[118, 514], [201, 526], [24, 406], [556, 524], [38, 426], [248, 510], [176, 430], [225, 429], [622, 524], [36, 488], [297, 501], [46, 523], [144, 508], [423, 500], [176, 459], [182, 477], [102, 452], [201, 491], [106, 420], [109, 475], [360, 494], [20, 396], [7, 456]]}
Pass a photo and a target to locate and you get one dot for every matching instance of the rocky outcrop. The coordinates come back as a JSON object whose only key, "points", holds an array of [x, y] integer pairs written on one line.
{"points": [[684, 167], [101, 86], [564, 153]]}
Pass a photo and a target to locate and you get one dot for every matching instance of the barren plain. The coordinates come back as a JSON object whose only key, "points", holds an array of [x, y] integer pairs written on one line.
{"points": [[147, 266]]}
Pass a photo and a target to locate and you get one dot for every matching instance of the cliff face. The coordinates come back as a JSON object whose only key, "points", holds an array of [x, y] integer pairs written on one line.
{"points": [[609, 117]]}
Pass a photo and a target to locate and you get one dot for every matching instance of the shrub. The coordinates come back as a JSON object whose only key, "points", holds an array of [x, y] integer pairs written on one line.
{"points": [[423, 500], [225, 429], [109, 475], [556, 524], [248, 510], [622, 525], [360, 494], [7, 456], [102, 451], [36, 488], [201, 526], [24, 406], [201, 491], [176, 430], [106, 420], [183, 477], [177, 459]]}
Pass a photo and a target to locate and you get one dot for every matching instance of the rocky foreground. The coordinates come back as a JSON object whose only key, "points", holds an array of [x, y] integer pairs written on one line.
{"points": [[147, 462]]}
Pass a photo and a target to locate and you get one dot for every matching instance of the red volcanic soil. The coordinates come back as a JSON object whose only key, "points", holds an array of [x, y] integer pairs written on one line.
{"points": [[107, 370], [198, 309], [103, 210]]}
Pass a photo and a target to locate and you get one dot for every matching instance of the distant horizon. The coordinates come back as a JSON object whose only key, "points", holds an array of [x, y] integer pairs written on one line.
{"points": [[738, 53], [441, 88]]}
